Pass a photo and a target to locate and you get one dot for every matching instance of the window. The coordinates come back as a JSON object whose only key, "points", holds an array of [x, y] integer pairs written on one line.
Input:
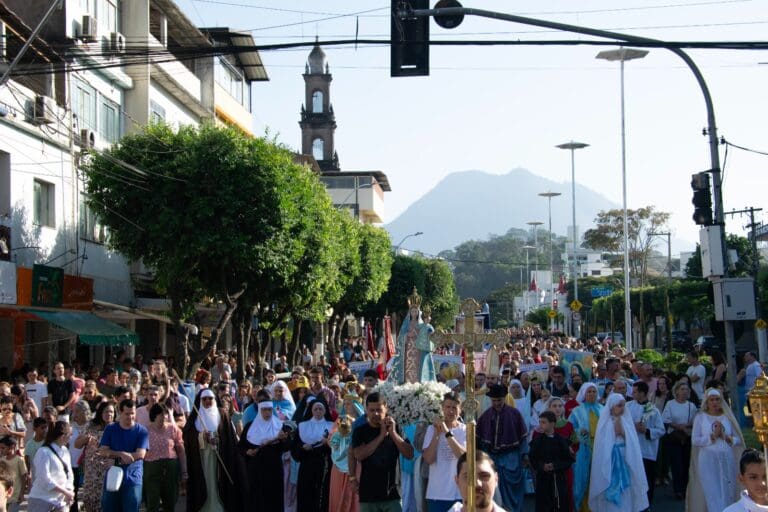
{"points": [[109, 122], [317, 148], [230, 78], [44, 204], [317, 101], [84, 105], [90, 227], [156, 113], [107, 17], [596, 272]]}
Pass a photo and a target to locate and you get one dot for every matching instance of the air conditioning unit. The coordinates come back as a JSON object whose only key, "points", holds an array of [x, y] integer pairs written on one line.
{"points": [[88, 28], [87, 139], [43, 110], [116, 42]]}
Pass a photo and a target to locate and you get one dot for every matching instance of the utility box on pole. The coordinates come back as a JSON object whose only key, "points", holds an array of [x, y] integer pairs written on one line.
{"points": [[734, 299], [712, 261]]}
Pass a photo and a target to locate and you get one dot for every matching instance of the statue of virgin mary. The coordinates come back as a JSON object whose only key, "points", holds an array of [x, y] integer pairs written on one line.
{"points": [[413, 362]]}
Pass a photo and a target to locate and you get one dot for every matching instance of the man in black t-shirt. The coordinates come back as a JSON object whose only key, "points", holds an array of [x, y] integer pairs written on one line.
{"points": [[61, 392], [376, 445]]}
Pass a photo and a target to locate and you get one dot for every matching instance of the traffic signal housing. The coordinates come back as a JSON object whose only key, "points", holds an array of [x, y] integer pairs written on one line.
{"points": [[702, 199], [409, 39]]}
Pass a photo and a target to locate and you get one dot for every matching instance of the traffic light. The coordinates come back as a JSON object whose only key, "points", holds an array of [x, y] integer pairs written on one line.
{"points": [[702, 199], [554, 304], [409, 39]]}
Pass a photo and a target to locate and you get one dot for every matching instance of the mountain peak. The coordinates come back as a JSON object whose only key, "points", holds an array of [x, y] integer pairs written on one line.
{"points": [[475, 205]]}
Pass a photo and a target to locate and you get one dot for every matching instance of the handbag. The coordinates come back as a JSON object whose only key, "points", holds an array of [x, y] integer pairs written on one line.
{"points": [[679, 436]]}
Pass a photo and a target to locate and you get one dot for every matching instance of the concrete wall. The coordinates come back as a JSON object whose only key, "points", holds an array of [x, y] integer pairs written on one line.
{"points": [[176, 114]]}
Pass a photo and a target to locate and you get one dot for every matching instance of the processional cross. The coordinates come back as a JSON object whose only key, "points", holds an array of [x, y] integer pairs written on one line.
{"points": [[470, 341]]}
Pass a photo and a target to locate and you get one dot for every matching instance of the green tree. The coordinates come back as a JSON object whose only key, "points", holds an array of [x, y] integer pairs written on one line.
{"points": [[213, 212], [433, 280], [608, 235]]}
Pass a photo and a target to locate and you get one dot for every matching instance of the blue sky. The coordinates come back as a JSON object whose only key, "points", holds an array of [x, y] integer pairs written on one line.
{"points": [[497, 108]]}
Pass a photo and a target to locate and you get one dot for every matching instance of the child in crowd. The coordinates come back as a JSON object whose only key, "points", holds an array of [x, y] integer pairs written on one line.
{"points": [[550, 457], [6, 487], [40, 427], [16, 468], [752, 477]]}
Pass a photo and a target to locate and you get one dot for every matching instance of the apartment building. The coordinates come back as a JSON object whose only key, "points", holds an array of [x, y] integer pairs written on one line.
{"points": [[99, 69]]}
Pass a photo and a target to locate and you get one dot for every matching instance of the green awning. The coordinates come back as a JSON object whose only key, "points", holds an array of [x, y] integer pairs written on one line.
{"points": [[91, 329]]}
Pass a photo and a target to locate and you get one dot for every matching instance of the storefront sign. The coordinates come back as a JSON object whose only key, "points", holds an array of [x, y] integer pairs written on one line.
{"points": [[47, 286]]}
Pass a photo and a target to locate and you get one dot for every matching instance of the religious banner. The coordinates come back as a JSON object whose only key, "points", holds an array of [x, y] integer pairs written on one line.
{"points": [[480, 362], [540, 370], [447, 366], [7, 282], [360, 367], [47, 286], [576, 361]]}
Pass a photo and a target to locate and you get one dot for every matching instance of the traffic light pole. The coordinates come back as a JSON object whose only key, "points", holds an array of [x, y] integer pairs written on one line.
{"points": [[711, 131]]}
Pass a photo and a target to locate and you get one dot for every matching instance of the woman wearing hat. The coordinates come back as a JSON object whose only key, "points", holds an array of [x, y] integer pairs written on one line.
{"points": [[263, 444]]}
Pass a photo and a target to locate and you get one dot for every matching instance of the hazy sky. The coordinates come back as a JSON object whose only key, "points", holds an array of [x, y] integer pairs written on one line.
{"points": [[497, 108]]}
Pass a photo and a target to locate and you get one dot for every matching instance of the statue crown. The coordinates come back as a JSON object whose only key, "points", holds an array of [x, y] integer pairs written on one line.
{"points": [[414, 299]]}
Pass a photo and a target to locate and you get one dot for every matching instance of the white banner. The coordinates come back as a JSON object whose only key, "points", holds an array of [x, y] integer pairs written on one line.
{"points": [[7, 282]]}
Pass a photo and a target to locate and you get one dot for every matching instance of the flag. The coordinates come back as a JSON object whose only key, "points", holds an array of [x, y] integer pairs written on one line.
{"points": [[561, 288], [533, 287], [389, 343], [369, 337]]}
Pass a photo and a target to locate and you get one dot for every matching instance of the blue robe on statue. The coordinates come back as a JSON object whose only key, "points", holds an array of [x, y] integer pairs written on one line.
{"points": [[413, 362]]}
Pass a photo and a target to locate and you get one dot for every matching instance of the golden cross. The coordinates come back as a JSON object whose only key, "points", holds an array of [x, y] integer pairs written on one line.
{"points": [[470, 341]]}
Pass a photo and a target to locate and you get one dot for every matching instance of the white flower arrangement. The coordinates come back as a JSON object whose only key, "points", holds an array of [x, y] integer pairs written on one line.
{"points": [[413, 403]]}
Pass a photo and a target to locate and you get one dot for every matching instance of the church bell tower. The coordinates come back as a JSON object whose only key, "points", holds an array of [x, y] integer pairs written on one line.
{"points": [[318, 123]]}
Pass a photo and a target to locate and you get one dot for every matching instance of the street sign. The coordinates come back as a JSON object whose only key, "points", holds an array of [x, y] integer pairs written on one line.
{"points": [[761, 324], [575, 305], [601, 291], [552, 313], [576, 317]]}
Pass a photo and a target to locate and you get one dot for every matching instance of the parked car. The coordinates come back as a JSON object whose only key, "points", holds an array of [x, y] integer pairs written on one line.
{"points": [[708, 344], [681, 341]]}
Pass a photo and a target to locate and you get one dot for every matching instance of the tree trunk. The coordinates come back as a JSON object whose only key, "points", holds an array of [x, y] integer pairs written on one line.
{"points": [[295, 342]]}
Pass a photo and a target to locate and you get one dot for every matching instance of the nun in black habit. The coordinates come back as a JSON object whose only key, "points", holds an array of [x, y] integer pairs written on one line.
{"points": [[215, 482], [311, 449], [262, 445]]}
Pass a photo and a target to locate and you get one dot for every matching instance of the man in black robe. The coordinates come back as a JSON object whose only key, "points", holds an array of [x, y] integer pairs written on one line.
{"points": [[550, 457], [230, 473]]}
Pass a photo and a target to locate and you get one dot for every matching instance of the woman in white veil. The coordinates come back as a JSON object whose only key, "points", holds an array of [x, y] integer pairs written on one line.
{"points": [[717, 444], [617, 481]]}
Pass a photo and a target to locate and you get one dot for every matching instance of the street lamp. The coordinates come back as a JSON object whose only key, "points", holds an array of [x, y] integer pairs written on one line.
{"points": [[573, 146], [527, 276], [549, 196], [622, 55], [406, 237], [535, 224], [668, 323]]}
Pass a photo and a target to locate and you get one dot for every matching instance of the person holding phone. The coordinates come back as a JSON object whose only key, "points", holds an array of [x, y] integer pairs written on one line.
{"points": [[312, 450]]}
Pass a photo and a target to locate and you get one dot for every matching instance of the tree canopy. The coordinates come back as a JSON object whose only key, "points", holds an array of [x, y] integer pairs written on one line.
{"points": [[608, 235], [217, 213]]}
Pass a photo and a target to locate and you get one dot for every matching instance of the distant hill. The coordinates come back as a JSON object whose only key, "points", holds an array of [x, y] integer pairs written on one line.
{"points": [[471, 205]]}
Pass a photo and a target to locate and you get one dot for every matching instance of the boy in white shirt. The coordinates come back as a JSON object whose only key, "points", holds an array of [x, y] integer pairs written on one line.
{"points": [[752, 476]]}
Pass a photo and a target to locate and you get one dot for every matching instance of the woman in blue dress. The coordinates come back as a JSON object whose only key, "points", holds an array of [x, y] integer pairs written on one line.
{"points": [[617, 481], [584, 419]]}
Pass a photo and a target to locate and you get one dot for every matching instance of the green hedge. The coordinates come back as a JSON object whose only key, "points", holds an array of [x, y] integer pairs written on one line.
{"points": [[674, 361]]}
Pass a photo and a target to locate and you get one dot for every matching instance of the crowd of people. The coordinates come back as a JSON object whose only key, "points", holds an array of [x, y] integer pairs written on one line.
{"points": [[320, 438]]}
